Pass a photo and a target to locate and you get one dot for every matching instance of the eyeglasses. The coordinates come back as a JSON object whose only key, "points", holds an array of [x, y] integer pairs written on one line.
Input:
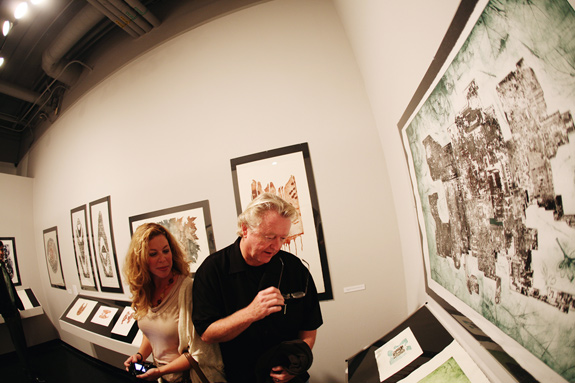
{"points": [[297, 294]]}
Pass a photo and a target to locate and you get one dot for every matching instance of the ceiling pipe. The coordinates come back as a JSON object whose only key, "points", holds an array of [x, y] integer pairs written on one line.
{"points": [[20, 93], [144, 12], [96, 4], [52, 63], [132, 15], [119, 15]]}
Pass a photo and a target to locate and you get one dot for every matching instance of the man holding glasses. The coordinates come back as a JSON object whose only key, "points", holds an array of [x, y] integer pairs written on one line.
{"points": [[252, 296]]}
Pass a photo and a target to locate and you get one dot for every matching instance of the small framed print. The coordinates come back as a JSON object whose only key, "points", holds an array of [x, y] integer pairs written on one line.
{"points": [[81, 310], [287, 172], [104, 246], [82, 250], [125, 322], [11, 260], [191, 224], [53, 261], [104, 315]]}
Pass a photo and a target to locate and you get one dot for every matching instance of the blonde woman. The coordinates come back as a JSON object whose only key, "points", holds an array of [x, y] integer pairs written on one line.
{"points": [[159, 279]]}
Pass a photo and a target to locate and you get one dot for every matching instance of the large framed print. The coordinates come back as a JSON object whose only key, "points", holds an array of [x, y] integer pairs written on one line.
{"points": [[53, 260], [11, 259], [490, 141], [191, 224], [288, 173], [104, 246], [82, 249]]}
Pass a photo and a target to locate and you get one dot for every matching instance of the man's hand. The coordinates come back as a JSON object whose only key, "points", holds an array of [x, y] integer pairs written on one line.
{"points": [[267, 302], [278, 374]]}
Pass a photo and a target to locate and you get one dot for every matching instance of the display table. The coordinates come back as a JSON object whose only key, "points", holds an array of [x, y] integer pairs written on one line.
{"points": [[31, 305], [107, 323]]}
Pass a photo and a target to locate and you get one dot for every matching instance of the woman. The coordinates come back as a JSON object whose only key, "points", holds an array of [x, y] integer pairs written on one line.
{"points": [[158, 276]]}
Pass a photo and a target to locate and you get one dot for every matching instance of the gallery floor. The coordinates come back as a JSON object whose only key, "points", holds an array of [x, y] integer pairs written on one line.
{"points": [[56, 362]]}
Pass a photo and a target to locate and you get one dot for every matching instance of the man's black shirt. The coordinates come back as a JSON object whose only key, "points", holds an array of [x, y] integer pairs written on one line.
{"points": [[225, 283]]}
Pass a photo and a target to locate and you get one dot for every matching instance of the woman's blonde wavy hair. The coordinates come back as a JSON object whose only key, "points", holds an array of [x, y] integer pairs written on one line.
{"points": [[136, 268]]}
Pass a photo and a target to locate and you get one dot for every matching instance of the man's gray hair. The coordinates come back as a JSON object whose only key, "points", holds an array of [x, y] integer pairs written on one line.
{"points": [[252, 216]]}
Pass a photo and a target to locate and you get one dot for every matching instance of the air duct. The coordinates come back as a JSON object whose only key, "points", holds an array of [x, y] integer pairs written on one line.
{"points": [[52, 63]]}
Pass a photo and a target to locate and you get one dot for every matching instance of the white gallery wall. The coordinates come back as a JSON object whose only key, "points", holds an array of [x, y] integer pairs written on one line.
{"points": [[160, 132]]}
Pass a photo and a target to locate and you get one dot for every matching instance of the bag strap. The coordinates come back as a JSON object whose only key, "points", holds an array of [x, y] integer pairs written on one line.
{"points": [[196, 367]]}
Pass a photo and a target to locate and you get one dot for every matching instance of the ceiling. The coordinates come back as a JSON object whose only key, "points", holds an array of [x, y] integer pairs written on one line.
{"points": [[62, 48]]}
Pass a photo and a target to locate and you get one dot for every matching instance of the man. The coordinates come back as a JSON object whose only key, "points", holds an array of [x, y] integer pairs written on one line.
{"points": [[10, 303], [237, 295]]}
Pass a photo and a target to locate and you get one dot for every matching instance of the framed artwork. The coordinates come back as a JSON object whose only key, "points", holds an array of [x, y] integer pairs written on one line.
{"points": [[489, 139], [81, 310], [104, 315], [125, 322], [53, 261], [11, 260], [191, 224], [104, 246], [287, 172], [82, 249]]}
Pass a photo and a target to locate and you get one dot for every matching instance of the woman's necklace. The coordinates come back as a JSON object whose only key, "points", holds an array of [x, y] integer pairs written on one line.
{"points": [[163, 293]]}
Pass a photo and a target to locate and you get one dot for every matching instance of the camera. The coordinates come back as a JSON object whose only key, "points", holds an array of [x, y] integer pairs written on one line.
{"points": [[139, 368]]}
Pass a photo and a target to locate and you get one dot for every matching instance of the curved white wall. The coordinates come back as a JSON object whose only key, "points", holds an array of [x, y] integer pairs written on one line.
{"points": [[161, 131]]}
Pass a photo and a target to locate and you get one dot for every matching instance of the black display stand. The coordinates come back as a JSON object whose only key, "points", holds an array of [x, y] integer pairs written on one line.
{"points": [[430, 334], [105, 331]]}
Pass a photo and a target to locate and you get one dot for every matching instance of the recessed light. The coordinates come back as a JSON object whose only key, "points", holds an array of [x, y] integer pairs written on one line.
{"points": [[21, 10]]}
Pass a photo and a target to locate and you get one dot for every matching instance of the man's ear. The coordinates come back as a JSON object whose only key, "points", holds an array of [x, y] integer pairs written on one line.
{"points": [[244, 230]]}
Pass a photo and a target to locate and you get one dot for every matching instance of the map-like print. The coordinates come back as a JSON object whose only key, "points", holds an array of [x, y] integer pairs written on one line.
{"points": [[492, 154]]}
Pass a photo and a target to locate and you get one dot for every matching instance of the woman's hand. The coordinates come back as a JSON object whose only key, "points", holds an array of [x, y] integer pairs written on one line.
{"points": [[151, 375], [278, 374], [132, 359]]}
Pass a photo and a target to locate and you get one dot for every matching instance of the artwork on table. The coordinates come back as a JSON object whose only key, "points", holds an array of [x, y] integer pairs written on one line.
{"points": [[11, 259], [112, 319], [82, 249], [397, 353], [125, 322], [29, 300], [190, 224], [288, 173], [53, 261], [81, 310], [452, 364], [104, 246], [490, 140], [104, 315]]}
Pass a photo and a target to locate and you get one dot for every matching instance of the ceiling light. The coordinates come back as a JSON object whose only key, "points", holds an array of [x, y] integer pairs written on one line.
{"points": [[21, 10], [1, 61], [36, 2], [6, 27]]}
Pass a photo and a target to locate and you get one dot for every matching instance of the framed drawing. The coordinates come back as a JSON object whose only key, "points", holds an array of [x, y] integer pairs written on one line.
{"points": [[191, 224], [53, 261], [287, 172], [104, 246], [82, 250], [489, 138], [9, 244]]}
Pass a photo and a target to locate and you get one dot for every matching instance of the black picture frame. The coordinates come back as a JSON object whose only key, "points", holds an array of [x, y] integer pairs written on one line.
{"points": [[12, 259], [282, 169], [478, 82], [53, 259], [190, 223], [103, 243], [82, 248]]}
